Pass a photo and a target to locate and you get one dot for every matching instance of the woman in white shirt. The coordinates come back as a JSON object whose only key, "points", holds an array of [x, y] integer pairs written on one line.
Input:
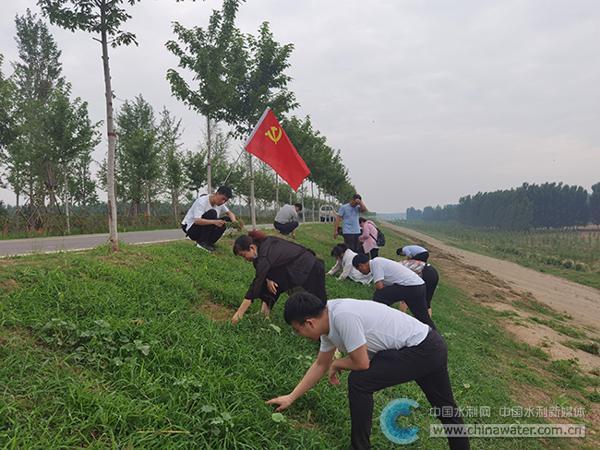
{"points": [[344, 256]]}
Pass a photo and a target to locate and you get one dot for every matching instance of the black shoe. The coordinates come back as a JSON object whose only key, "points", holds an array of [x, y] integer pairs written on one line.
{"points": [[205, 246]]}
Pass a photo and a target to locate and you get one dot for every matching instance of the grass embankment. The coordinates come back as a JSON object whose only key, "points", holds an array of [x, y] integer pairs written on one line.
{"points": [[126, 350], [570, 254]]}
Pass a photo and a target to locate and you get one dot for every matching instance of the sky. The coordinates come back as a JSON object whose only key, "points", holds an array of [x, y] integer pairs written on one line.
{"points": [[427, 101]]}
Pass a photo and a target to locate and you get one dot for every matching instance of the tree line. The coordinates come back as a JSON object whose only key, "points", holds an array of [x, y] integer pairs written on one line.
{"points": [[47, 136], [547, 205]]}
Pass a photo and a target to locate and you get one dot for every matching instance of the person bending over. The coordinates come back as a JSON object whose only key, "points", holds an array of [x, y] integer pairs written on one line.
{"points": [[384, 347], [429, 275], [414, 252], [344, 257], [368, 238], [394, 283], [205, 220], [280, 265], [287, 220]]}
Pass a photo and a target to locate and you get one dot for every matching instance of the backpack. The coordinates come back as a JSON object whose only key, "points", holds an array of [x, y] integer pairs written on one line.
{"points": [[380, 240]]}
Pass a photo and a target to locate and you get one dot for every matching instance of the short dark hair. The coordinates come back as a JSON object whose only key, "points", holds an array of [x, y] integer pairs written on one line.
{"points": [[360, 259], [301, 306], [226, 191], [356, 197], [339, 250], [361, 220], [298, 205]]}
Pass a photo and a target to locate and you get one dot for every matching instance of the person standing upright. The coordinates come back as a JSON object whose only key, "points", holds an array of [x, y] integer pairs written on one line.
{"points": [[349, 214]]}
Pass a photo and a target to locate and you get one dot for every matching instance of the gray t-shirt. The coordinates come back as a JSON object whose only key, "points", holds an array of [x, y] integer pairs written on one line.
{"points": [[353, 323], [287, 214], [392, 272]]}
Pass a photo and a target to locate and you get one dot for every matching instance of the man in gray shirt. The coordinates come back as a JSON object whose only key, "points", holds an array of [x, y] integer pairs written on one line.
{"points": [[383, 346], [287, 220]]}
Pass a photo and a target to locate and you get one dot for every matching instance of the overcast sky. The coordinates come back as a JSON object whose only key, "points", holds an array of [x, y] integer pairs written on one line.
{"points": [[426, 100]]}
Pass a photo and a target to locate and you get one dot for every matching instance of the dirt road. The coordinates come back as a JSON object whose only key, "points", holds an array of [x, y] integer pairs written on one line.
{"points": [[580, 302]]}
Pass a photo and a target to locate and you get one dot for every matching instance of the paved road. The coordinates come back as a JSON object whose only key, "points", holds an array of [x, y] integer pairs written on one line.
{"points": [[17, 247], [579, 301]]}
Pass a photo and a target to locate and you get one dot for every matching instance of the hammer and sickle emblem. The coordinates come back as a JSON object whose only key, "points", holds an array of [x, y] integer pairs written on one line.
{"points": [[274, 134]]}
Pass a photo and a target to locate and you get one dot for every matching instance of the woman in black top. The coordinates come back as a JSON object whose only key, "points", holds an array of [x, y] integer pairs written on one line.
{"points": [[280, 265]]}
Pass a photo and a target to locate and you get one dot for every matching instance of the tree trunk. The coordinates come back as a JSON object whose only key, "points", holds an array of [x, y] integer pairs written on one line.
{"points": [[148, 203], [174, 204], [208, 156], [112, 140], [66, 202]]}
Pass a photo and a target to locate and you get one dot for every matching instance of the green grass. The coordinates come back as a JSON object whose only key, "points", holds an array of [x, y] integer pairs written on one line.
{"points": [[570, 254], [103, 350]]}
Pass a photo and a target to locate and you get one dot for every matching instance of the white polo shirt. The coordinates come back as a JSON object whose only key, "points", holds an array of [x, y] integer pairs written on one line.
{"points": [[392, 272], [353, 323], [200, 206]]}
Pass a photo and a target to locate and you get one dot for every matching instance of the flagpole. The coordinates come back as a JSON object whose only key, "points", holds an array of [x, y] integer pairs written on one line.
{"points": [[252, 203]]}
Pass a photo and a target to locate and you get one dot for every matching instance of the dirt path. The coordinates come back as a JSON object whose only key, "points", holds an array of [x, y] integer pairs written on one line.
{"points": [[580, 302]]}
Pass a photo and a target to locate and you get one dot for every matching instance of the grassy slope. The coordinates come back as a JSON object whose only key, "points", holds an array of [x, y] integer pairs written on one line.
{"points": [[131, 362], [544, 250]]}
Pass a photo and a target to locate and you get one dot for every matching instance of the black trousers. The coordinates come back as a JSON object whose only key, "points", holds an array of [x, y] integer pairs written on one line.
{"points": [[351, 240], [208, 234], [427, 364], [315, 283], [430, 277], [413, 296], [374, 253], [423, 256], [286, 228]]}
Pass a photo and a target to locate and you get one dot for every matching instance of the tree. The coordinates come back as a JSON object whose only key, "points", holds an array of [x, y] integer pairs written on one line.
{"points": [[37, 74], [6, 111], [138, 155], [195, 171], [169, 134], [102, 18], [595, 204], [205, 52]]}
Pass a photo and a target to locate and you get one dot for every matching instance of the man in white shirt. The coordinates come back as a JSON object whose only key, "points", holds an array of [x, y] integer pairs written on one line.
{"points": [[395, 282], [383, 346], [287, 219], [205, 220]]}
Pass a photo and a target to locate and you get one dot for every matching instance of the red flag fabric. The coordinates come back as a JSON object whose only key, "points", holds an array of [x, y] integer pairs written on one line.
{"points": [[270, 143]]}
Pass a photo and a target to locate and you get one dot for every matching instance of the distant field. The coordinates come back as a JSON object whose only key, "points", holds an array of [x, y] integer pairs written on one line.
{"points": [[574, 255], [134, 350]]}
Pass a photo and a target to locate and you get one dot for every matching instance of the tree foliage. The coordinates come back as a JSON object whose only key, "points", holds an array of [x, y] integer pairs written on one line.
{"points": [[548, 205]]}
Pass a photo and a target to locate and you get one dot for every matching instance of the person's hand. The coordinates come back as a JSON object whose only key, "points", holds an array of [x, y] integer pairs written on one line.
{"points": [[237, 317], [334, 374], [283, 402], [219, 223], [272, 287]]}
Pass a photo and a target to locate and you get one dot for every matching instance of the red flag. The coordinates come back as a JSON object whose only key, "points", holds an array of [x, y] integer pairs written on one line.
{"points": [[269, 143]]}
